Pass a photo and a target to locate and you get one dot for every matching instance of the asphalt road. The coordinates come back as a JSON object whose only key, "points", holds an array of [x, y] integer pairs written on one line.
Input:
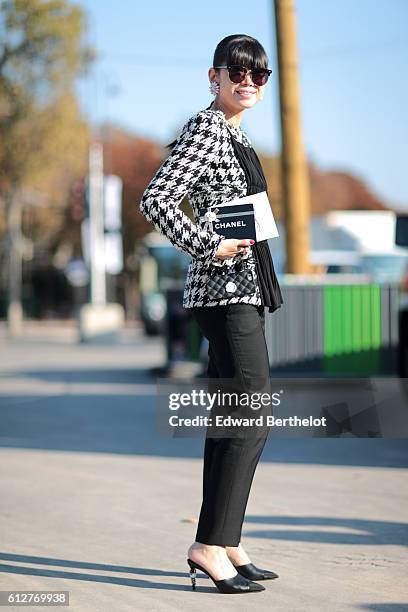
{"points": [[96, 502]]}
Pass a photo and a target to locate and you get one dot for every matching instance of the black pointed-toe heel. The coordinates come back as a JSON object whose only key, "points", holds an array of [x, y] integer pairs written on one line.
{"points": [[236, 584], [250, 571]]}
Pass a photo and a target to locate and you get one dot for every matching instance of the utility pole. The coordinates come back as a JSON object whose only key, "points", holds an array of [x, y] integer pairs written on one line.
{"points": [[295, 182], [15, 309]]}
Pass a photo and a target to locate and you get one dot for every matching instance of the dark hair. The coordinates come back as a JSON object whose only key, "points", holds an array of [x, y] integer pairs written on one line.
{"points": [[237, 49], [240, 49]]}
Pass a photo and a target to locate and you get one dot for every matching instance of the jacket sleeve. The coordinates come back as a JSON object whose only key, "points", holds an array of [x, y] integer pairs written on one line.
{"points": [[196, 147]]}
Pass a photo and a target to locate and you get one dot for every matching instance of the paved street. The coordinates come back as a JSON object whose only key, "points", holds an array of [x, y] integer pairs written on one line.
{"points": [[94, 501]]}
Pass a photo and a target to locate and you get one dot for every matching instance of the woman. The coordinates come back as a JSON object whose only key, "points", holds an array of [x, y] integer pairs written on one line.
{"points": [[213, 162]]}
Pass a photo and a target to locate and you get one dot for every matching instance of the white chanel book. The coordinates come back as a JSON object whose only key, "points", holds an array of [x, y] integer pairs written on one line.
{"points": [[265, 225]]}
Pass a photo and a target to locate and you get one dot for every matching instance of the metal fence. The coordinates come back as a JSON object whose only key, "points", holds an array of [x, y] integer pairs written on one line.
{"points": [[340, 325], [344, 326]]}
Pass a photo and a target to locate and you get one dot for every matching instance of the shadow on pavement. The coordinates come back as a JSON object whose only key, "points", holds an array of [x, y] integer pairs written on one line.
{"points": [[115, 419], [104, 567], [381, 607], [371, 532], [113, 376]]}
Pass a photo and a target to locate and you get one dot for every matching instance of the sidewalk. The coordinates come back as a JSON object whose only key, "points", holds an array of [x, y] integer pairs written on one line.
{"points": [[96, 503]]}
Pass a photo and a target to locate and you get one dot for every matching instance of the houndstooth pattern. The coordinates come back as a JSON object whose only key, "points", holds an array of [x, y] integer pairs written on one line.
{"points": [[203, 165]]}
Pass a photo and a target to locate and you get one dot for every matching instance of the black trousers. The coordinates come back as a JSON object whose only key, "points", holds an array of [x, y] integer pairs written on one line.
{"points": [[238, 352]]}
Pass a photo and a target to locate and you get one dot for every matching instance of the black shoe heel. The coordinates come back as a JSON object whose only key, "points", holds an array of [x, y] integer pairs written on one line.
{"points": [[251, 572], [236, 584]]}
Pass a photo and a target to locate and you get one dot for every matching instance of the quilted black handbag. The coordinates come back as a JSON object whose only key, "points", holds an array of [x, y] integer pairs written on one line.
{"points": [[229, 281]]}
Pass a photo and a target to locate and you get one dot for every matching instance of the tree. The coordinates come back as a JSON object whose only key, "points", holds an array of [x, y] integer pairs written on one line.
{"points": [[41, 130]]}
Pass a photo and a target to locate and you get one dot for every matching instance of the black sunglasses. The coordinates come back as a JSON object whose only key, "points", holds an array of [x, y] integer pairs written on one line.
{"points": [[237, 74]]}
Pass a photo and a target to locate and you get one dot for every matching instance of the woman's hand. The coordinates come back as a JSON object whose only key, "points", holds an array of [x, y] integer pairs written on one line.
{"points": [[233, 246]]}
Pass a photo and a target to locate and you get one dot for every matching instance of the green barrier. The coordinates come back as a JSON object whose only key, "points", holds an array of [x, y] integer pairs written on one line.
{"points": [[352, 328]]}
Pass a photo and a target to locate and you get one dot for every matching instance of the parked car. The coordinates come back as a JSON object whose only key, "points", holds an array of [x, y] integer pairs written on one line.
{"points": [[336, 261], [153, 313], [162, 267], [384, 267]]}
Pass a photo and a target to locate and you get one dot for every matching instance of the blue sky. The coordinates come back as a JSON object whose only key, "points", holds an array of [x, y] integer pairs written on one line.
{"points": [[154, 56]]}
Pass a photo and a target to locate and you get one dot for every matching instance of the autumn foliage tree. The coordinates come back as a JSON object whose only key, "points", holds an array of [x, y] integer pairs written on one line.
{"points": [[41, 56], [42, 136]]}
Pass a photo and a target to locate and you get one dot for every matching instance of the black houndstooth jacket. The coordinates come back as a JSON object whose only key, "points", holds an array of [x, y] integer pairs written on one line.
{"points": [[203, 165]]}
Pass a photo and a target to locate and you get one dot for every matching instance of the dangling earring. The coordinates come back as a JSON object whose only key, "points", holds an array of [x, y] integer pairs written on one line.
{"points": [[214, 88]]}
